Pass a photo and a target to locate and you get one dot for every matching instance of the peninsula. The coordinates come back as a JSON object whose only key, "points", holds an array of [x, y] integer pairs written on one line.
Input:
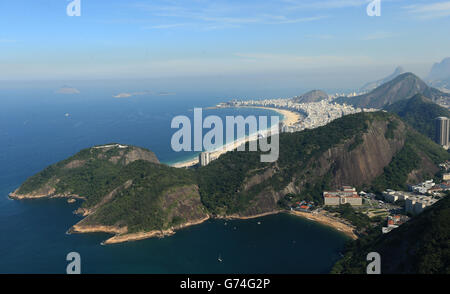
{"points": [[125, 191]]}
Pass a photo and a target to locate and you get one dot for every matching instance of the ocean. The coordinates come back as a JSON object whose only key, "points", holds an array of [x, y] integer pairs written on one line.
{"points": [[39, 127]]}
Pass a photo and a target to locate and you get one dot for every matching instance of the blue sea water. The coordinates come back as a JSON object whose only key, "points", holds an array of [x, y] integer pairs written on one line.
{"points": [[35, 132]]}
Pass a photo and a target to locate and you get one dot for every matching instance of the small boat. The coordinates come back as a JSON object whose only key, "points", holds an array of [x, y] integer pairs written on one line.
{"points": [[219, 259], [259, 223]]}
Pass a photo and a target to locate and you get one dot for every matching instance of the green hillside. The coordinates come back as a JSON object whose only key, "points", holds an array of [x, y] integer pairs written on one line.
{"points": [[125, 187], [419, 112], [419, 246]]}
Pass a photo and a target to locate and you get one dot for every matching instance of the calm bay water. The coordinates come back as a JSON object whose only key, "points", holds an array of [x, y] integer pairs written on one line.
{"points": [[35, 132]]}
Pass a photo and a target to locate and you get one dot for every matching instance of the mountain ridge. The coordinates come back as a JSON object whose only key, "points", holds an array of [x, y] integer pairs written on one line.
{"points": [[372, 85], [402, 87], [419, 112]]}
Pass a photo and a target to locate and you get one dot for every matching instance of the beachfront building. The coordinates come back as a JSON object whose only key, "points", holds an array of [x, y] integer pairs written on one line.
{"points": [[204, 158], [347, 194]]}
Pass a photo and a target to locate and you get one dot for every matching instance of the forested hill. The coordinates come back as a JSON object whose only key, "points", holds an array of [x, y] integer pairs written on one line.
{"points": [[126, 190], [373, 151], [419, 112], [420, 246]]}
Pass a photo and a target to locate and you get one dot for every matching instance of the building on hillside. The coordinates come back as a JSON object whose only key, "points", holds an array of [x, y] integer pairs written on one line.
{"points": [[346, 195], [204, 158], [417, 204], [442, 131], [392, 196], [422, 188], [394, 222]]}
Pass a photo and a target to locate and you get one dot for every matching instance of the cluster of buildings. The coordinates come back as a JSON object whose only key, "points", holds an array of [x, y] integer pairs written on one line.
{"points": [[393, 222], [304, 206], [422, 188], [321, 113], [414, 203], [420, 196], [347, 194], [417, 204], [431, 188], [315, 114], [392, 196]]}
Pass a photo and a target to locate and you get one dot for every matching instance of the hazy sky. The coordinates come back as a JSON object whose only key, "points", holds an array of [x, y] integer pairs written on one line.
{"points": [[195, 38]]}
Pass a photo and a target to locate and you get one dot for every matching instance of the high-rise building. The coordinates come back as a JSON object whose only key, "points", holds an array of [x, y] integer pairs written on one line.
{"points": [[204, 158], [442, 131]]}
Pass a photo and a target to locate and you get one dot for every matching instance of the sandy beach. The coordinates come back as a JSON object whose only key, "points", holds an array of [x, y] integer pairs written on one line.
{"points": [[328, 221], [289, 119]]}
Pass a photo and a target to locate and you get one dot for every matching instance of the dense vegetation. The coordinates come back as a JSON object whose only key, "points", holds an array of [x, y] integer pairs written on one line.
{"points": [[235, 183], [418, 246], [395, 175], [419, 112], [222, 182], [346, 211], [140, 206]]}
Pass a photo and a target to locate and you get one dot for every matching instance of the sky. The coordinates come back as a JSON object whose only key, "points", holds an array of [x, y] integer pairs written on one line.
{"points": [[327, 42]]}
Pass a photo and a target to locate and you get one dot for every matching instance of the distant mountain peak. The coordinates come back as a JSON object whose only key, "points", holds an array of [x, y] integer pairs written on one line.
{"points": [[372, 85], [311, 96], [439, 75], [400, 88]]}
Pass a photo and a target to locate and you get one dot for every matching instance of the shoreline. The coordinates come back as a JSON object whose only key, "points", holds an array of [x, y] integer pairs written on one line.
{"points": [[121, 235], [289, 119], [15, 196], [327, 221]]}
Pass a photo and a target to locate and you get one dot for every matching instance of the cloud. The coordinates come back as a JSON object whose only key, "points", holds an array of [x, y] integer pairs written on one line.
{"points": [[67, 90], [222, 14], [327, 4], [429, 10]]}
